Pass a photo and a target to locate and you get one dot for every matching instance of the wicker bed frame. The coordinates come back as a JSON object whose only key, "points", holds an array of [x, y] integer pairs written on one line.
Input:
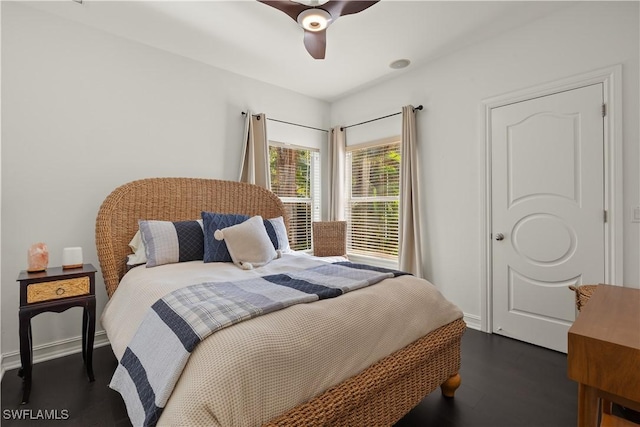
{"points": [[380, 395]]}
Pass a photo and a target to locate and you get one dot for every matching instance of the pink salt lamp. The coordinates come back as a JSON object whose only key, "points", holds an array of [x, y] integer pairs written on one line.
{"points": [[38, 257]]}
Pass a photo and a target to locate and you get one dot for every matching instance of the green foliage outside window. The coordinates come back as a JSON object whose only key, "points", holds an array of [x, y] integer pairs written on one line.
{"points": [[290, 171], [374, 203], [290, 179]]}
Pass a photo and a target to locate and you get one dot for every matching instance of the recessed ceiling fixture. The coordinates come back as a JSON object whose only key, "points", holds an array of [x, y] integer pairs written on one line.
{"points": [[400, 63], [314, 16]]}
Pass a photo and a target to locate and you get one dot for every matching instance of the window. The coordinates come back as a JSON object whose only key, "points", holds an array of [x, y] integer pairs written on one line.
{"points": [[373, 189], [295, 178]]}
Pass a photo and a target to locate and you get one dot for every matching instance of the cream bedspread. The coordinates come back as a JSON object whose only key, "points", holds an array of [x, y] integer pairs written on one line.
{"points": [[248, 374]]}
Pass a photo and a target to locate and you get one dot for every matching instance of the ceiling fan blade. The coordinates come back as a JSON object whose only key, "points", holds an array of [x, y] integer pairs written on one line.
{"points": [[291, 8], [346, 7], [316, 43]]}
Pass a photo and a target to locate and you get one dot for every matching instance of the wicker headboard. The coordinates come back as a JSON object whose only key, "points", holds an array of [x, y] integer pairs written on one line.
{"points": [[174, 199]]}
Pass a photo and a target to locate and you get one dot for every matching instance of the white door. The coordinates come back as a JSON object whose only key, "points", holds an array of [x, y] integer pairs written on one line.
{"points": [[547, 211]]}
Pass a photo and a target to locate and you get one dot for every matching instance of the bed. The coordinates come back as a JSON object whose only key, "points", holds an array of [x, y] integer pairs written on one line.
{"points": [[373, 388]]}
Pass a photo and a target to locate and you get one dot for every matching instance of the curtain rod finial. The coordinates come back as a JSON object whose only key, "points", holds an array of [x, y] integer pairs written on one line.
{"points": [[419, 107]]}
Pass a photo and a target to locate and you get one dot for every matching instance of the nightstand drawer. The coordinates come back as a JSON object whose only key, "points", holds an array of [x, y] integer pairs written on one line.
{"points": [[45, 291]]}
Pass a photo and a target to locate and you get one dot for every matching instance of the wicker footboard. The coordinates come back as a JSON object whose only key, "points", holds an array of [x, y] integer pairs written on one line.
{"points": [[383, 393]]}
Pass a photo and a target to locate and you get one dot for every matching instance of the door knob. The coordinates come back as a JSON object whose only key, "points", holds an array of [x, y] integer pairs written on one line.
{"points": [[499, 236]]}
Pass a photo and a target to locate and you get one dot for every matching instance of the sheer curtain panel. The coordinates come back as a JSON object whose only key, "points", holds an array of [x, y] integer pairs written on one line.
{"points": [[255, 155], [410, 257]]}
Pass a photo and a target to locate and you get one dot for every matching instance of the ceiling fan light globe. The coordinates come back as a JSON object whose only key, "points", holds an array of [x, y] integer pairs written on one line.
{"points": [[314, 19]]}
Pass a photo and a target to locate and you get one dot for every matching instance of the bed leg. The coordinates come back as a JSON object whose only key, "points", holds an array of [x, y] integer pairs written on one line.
{"points": [[450, 386]]}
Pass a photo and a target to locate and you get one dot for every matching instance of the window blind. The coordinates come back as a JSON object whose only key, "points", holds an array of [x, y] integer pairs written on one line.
{"points": [[295, 173], [373, 189]]}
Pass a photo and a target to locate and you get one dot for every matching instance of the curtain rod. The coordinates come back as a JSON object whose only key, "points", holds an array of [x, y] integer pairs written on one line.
{"points": [[419, 107], [289, 123]]}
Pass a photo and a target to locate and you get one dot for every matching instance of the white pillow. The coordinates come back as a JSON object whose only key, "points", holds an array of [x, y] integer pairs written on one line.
{"points": [[248, 243], [137, 246]]}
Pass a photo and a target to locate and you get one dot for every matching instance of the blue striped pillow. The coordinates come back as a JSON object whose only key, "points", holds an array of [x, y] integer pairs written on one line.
{"points": [[167, 242], [277, 233]]}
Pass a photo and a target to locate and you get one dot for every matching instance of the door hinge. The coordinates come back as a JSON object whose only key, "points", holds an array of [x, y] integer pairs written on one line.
{"points": [[604, 110], [606, 216]]}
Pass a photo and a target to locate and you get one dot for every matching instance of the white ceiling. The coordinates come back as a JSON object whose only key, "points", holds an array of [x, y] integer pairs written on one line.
{"points": [[254, 40]]}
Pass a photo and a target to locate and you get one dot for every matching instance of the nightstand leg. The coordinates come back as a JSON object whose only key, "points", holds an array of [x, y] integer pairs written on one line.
{"points": [[85, 319], [25, 355], [88, 332]]}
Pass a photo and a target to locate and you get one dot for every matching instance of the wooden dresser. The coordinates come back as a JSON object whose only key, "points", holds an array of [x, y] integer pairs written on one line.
{"points": [[604, 352]]}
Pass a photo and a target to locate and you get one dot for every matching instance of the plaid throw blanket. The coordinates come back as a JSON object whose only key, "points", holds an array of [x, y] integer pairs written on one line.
{"points": [[176, 323]]}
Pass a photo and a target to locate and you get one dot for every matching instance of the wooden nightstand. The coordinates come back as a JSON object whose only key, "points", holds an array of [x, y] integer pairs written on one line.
{"points": [[56, 289]]}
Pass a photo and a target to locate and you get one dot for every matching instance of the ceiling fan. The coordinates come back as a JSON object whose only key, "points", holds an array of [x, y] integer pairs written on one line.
{"points": [[314, 16]]}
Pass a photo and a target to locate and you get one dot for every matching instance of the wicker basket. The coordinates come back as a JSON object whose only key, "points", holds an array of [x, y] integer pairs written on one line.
{"points": [[583, 293], [330, 238]]}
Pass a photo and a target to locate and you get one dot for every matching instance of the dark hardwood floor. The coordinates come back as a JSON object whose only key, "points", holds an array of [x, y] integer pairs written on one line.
{"points": [[504, 383], [61, 387]]}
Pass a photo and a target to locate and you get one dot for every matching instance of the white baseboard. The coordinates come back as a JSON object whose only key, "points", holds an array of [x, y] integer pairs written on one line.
{"points": [[473, 321], [51, 350]]}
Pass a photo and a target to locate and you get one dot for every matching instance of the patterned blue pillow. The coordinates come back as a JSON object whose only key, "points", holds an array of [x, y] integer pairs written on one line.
{"points": [[277, 233], [167, 242], [216, 250]]}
